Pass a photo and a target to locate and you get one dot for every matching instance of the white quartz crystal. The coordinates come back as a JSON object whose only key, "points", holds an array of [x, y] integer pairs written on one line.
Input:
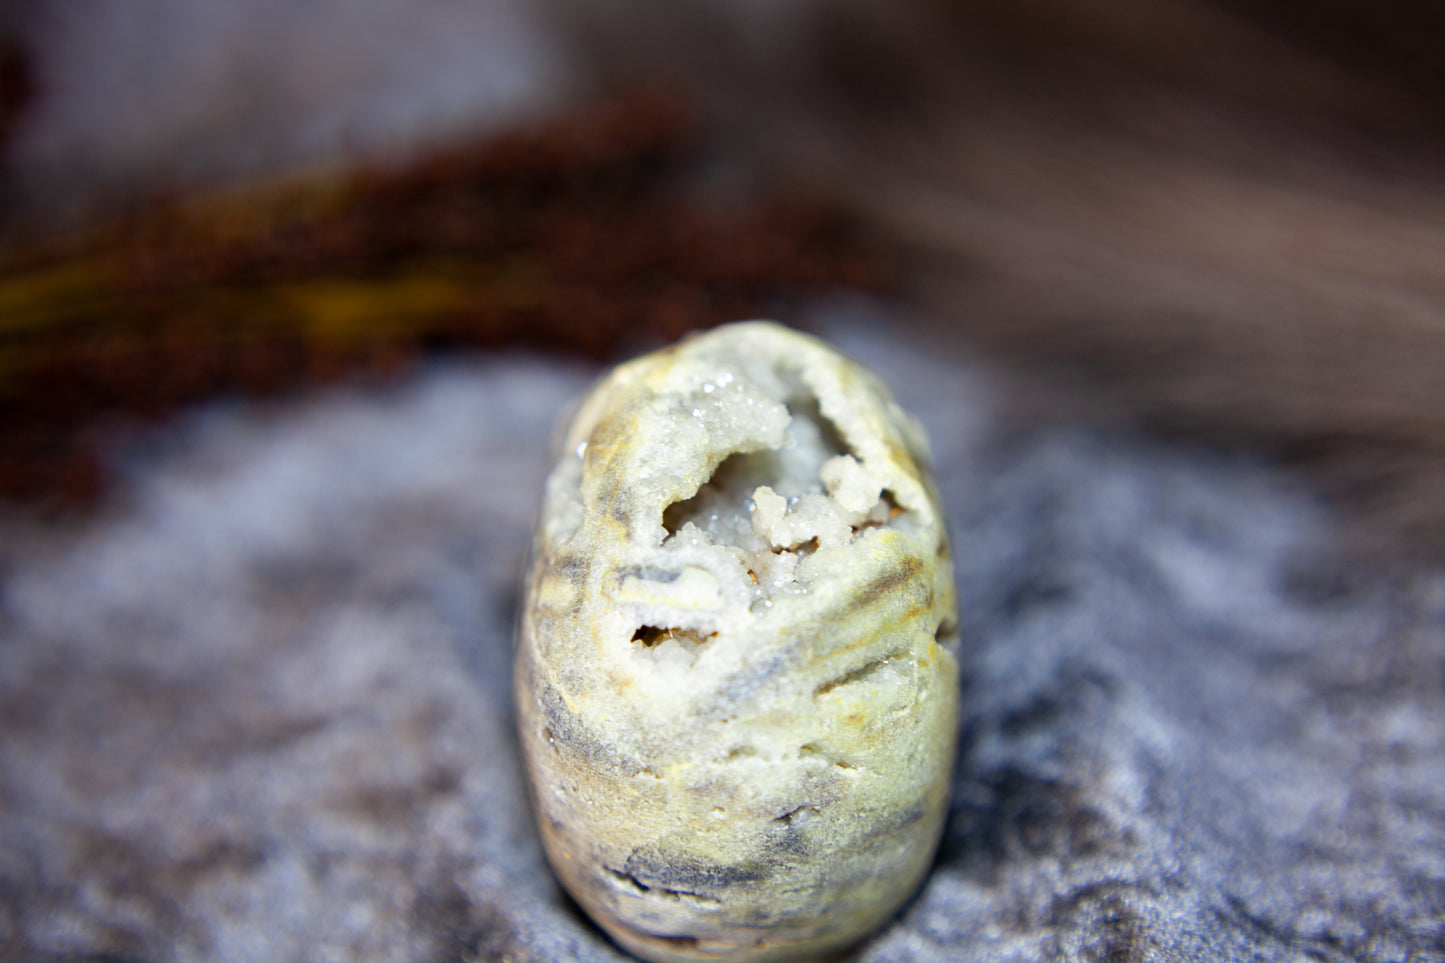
{"points": [[735, 691]]}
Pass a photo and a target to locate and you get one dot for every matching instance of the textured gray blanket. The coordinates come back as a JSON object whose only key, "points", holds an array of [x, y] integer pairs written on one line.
{"points": [[262, 711]]}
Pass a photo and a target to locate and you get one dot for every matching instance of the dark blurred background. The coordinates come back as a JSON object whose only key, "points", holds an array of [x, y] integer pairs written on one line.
{"points": [[1220, 221]]}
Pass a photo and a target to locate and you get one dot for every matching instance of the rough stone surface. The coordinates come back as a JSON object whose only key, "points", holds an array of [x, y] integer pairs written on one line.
{"points": [[261, 711], [736, 694]]}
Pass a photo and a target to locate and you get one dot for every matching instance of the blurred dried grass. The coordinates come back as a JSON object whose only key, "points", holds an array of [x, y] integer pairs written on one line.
{"points": [[576, 236]]}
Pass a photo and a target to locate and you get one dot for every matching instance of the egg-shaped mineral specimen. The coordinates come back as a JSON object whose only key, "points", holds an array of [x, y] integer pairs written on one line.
{"points": [[735, 694]]}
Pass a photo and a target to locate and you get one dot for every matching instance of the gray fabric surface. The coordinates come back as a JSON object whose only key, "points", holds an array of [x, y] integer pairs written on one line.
{"points": [[261, 710]]}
